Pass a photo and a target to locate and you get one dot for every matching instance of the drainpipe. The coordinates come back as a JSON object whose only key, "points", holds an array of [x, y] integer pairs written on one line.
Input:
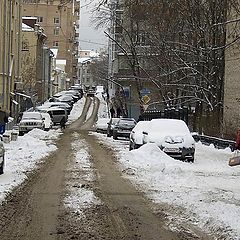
{"points": [[9, 54], [4, 50]]}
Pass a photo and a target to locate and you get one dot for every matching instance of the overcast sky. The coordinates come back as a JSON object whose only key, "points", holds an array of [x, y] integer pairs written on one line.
{"points": [[90, 39]]}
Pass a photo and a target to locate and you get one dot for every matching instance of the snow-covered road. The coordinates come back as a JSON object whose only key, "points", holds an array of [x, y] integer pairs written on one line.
{"points": [[208, 191]]}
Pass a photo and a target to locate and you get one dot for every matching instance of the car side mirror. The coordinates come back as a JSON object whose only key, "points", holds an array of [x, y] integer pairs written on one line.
{"points": [[145, 133]]}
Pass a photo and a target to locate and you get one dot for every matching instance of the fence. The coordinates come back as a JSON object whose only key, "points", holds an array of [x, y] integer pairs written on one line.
{"points": [[173, 113], [217, 142]]}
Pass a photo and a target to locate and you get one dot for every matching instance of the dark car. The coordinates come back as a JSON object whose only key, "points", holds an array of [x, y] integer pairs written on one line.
{"points": [[111, 126], [124, 127]]}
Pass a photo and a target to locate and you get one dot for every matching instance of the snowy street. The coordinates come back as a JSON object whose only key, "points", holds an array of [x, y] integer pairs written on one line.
{"points": [[204, 195]]}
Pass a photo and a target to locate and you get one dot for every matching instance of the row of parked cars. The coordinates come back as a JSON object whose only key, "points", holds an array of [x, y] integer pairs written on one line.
{"points": [[52, 112], [171, 135]]}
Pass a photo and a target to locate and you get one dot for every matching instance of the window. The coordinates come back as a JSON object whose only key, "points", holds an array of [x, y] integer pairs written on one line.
{"points": [[56, 31], [25, 45], [55, 44], [56, 20], [39, 19]]}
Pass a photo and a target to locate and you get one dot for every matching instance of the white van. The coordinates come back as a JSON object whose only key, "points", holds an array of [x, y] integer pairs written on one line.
{"points": [[57, 114]]}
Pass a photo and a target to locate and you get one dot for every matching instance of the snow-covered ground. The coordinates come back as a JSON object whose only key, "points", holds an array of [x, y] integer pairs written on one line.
{"points": [[208, 190], [24, 155]]}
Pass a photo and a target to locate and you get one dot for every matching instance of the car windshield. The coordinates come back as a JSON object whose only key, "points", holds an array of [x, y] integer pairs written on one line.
{"points": [[168, 126], [126, 122], [141, 126], [32, 115]]}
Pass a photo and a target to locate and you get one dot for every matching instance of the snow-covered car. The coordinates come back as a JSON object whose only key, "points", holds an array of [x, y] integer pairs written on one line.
{"points": [[102, 125], [29, 121], [136, 135], [57, 114], [63, 105], [2, 153], [48, 123], [111, 126], [172, 136], [123, 127]]}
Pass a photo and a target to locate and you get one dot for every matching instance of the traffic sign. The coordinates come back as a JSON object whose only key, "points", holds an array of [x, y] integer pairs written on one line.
{"points": [[145, 91], [146, 99]]}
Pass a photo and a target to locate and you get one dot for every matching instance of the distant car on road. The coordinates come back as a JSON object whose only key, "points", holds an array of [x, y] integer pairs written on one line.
{"points": [[91, 93], [136, 135], [102, 125], [172, 136], [29, 121], [123, 127]]}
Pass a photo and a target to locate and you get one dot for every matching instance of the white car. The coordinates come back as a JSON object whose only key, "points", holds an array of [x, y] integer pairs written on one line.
{"points": [[136, 135], [102, 125], [29, 121], [48, 123], [2, 153], [172, 136]]}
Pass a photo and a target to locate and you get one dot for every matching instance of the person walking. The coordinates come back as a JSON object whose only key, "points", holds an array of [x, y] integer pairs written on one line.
{"points": [[63, 123], [112, 111], [3, 121]]}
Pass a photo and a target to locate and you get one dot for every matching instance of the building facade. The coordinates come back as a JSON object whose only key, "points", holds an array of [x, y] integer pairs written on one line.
{"points": [[59, 19], [10, 54], [231, 111]]}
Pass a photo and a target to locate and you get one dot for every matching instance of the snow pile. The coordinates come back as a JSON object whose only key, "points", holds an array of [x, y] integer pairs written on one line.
{"points": [[76, 110], [23, 156], [103, 109], [207, 190]]}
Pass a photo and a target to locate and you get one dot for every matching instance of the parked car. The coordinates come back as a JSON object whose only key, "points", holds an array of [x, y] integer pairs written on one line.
{"points": [[57, 114], [111, 126], [2, 155], [102, 125], [91, 93], [172, 136], [123, 127], [136, 135], [48, 123], [29, 121], [63, 105]]}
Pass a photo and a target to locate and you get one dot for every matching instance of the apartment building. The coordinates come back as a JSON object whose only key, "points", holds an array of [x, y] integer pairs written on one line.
{"points": [[59, 19], [10, 53], [231, 111]]}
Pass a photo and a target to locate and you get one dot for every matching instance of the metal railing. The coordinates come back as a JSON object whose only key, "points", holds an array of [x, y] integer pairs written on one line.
{"points": [[217, 142]]}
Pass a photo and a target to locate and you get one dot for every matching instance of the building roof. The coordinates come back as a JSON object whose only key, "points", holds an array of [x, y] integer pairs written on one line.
{"points": [[54, 51], [84, 59], [26, 28]]}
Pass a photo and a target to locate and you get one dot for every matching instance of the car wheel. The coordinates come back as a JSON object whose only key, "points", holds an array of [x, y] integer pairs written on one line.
{"points": [[21, 133], [191, 159], [1, 167], [115, 136], [130, 146]]}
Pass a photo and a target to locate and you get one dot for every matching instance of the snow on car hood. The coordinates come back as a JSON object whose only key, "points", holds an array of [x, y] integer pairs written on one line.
{"points": [[185, 140], [138, 137], [31, 120]]}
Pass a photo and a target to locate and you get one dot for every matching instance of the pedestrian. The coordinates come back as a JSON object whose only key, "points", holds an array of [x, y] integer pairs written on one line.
{"points": [[112, 111], [3, 121], [237, 144], [119, 112], [63, 123]]}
